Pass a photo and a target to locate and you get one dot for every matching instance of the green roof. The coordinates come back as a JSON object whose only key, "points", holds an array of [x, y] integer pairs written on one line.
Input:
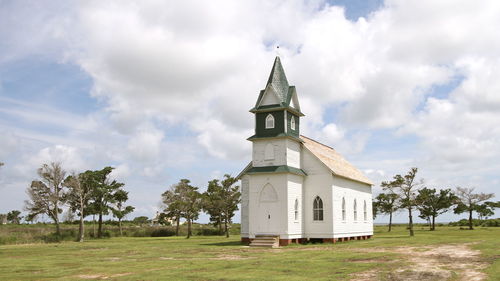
{"points": [[278, 82], [274, 169], [280, 135], [277, 79]]}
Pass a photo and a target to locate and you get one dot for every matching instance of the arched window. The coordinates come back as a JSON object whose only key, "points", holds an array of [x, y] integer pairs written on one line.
{"points": [[355, 210], [269, 152], [343, 208], [318, 209], [364, 210], [296, 209], [269, 121], [292, 123]]}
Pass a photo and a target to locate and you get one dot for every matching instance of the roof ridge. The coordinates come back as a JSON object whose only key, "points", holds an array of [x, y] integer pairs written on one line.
{"points": [[319, 143]]}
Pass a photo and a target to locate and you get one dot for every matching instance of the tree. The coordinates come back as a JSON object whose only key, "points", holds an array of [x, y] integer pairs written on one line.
{"points": [[213, 203], [405, 187], [468, 201], [118, 209], [103, 190], [46, 194], [232, 197], [140, 220], [172, 201], [78, 195], [386, 203], [487, 209], [190, 203], [431, 204], [14, 217], [221, 200]]}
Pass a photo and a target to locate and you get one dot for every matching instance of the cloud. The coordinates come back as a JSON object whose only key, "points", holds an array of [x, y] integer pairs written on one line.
{"points": [[174, 83]]}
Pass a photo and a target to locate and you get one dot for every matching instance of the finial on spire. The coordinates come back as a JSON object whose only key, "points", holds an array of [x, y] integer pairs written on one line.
{"points": [[278, 50]]}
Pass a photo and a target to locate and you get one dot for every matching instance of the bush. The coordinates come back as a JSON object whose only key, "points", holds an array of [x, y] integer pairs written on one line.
{"points": [[476, 222]]}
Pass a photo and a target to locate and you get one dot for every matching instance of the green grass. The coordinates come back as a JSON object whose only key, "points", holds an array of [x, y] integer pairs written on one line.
{"points": [[218, 258]]}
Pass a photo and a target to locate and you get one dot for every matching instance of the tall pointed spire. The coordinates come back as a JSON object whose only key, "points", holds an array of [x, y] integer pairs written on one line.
{"points": [[277, 80]]}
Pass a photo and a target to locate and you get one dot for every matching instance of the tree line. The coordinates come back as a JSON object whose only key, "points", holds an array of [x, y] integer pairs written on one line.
{"points": [[94, 193], [86, 193], [220, 201], [405, 192]]}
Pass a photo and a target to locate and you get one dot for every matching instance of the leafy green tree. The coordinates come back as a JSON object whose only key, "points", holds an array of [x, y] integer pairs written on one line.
{"points": [[405, 187], [232, 197], [487, 209], [468, 201], [387, 203], [142, 220], [190, 204], [80, 188], [47, 194], [431, 203], [14, 217], [102, 196], [221, 200], [118, 208], [213, 203], [164, 219], [172, 200]]}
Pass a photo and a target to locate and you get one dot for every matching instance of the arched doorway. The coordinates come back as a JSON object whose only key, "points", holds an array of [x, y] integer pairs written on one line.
{"points": [[269, 208]]}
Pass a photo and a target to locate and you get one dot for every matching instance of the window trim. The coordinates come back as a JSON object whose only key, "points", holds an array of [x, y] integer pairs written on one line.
{"points": [[365, 212], [355, 211], [292, 123], [269, 118], [318, 209], [296, 210], [343, 210]]}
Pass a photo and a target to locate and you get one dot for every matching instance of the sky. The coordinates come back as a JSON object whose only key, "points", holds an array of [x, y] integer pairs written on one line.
{"points": [[160, 90]]}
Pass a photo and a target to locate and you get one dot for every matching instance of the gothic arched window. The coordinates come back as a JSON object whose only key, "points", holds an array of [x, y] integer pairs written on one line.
{"points": [[355, 210], [292, 123], [296, 209], [343, 208], [269, 121], [318, 209]]}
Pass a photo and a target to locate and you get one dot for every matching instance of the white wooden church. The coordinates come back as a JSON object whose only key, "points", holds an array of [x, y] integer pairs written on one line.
{"points": [[296, 188]]}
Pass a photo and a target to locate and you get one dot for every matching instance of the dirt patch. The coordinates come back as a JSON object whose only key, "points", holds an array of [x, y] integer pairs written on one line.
{"points": [[432, 263]]}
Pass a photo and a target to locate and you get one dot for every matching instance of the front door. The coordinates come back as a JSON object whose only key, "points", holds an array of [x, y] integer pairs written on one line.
{"points": [[269, 207]]}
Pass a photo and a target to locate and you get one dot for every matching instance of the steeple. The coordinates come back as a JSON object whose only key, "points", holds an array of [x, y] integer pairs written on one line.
{"points": [[277, 80], [277, 111], [278, 93]]}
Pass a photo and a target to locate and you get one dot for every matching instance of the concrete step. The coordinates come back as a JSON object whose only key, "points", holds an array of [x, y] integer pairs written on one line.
{"points": [[263, 240]]}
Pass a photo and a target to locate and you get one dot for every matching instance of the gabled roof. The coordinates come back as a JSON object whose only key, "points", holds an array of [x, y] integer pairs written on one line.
{"points": [[278, 85], [334, 161]]}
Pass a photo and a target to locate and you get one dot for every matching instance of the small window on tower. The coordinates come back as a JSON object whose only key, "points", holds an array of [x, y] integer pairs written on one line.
{"points": [[269, 152], [269, 121], [292, 123]]}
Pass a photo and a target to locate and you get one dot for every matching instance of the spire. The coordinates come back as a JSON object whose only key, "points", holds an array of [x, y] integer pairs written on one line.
{"points": [[277, 80]]}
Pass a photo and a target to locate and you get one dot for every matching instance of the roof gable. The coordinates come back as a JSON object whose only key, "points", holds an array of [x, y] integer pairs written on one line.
{"points": [[278, 93], [334, 161]]}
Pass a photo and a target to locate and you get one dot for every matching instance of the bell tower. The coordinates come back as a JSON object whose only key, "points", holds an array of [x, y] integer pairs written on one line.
{"points": [[276, 142], [271, 200]]}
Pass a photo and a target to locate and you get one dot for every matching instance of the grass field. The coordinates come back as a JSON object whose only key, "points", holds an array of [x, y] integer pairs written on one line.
{"points": [[385, 257]]}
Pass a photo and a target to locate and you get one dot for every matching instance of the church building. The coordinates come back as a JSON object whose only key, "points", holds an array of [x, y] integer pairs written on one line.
{"points": [[297, 189]]}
